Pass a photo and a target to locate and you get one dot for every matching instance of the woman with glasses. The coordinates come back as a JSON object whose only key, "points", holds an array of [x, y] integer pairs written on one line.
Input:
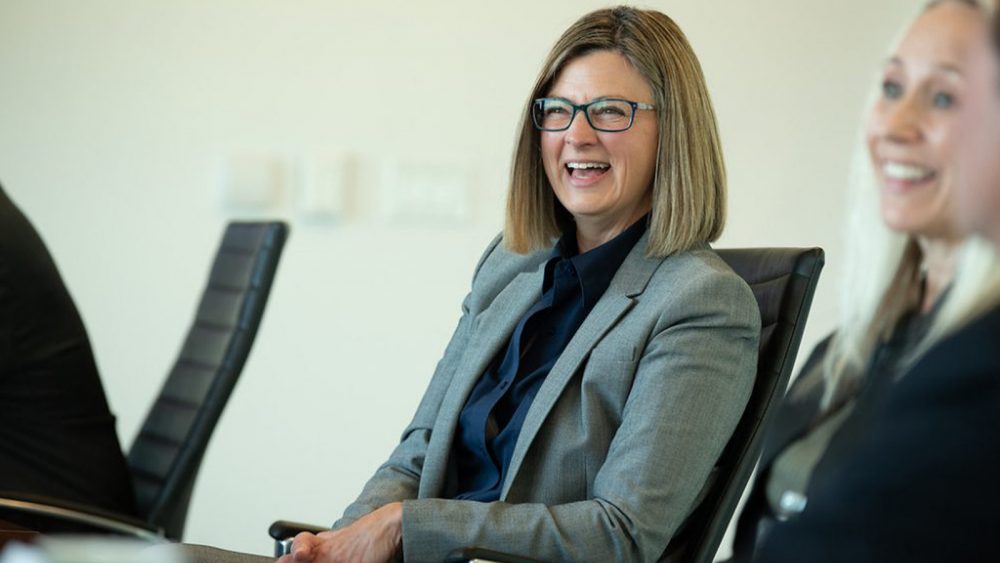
{"points": [[605, 353], [933, 129]]}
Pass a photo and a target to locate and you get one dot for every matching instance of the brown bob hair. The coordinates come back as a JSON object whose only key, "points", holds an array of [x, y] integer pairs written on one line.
{"points": [[689, 183]]}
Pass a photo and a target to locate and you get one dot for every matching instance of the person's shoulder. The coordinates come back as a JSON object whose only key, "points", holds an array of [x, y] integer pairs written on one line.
{"points": [[499, 265], [981, 331], [966, 353], [696, 286], [498, 260], [26, 266], [701, 276], [698, 266]]}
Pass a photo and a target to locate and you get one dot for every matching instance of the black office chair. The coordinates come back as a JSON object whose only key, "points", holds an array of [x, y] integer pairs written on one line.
{"points": [[783, 281], [165, 456]]}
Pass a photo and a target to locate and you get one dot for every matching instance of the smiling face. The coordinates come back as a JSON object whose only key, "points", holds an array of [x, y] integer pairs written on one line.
{"points": [[927, 130], [603, 179]]}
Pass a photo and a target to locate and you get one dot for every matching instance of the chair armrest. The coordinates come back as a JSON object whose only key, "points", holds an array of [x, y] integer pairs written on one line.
{"points": [[78, 515], [480, 555], [284, 531]]}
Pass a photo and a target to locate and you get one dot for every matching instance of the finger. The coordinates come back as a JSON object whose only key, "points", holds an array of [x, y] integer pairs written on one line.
{"points": [[303, 547]]}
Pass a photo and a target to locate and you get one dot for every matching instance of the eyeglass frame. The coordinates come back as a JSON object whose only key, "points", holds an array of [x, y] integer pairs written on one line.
{"points": [[577, 108]]}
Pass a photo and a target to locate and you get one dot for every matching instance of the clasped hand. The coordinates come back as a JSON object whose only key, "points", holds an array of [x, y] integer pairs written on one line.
{"points": [[374, 538]]}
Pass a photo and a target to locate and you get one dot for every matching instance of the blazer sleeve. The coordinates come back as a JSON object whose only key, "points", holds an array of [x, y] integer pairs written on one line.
{"points": [[399, 477], [690, 387]]}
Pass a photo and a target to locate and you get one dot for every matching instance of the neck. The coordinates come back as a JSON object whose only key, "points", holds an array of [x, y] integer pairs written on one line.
{"points": [[939, 263], [593, 232], [589, 239]]}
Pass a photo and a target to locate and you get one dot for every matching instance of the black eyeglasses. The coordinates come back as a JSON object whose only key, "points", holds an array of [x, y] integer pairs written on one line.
{"points": [[606, 114]]}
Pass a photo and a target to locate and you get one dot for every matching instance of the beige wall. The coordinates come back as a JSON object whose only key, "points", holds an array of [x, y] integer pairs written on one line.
{"points": [[117, 117]]}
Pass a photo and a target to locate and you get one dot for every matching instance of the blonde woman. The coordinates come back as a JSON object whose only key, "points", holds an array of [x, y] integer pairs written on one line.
{"points": [[605, 352], [913, 282], [920, 484]]}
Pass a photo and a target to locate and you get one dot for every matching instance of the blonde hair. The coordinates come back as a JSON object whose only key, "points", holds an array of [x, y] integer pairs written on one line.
{"points": [[689, 184], [883, 276]]}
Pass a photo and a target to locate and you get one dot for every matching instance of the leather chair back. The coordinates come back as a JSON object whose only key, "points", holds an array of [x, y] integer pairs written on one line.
{"points": [[165, 456], [783, 281]]}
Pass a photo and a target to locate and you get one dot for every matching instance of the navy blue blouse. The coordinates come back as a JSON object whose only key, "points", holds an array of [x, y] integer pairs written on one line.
{"points": [[491, 420]]}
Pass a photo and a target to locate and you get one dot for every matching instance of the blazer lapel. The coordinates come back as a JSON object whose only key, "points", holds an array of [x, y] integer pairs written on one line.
{"points": [[631, 280], [491, 331]]}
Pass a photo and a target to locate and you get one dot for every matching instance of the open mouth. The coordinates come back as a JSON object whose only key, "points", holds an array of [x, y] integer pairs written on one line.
{"points": [[587, 170], [905, 173]]}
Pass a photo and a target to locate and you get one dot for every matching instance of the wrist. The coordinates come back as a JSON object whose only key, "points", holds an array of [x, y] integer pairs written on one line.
{"points": [[394, 521]]}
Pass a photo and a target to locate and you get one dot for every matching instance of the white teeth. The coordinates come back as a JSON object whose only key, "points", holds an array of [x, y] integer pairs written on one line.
{"points": [[900, 171], [582, 165]]}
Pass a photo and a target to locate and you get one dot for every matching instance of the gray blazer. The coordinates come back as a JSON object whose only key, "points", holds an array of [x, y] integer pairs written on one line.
{"points": [[622, 435]]}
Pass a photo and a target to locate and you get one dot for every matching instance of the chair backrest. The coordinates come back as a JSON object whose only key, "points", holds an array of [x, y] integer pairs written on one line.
{"points": [[165, 456], [783, 281]]}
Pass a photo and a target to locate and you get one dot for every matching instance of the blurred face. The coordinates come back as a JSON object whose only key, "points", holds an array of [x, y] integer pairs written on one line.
{"points": [[977, 198], [936, 112], [603, 179]]}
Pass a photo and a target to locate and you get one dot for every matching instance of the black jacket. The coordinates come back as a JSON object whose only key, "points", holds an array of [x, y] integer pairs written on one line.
{"points": [[796, 415], [57, 435], [913, 474]]}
